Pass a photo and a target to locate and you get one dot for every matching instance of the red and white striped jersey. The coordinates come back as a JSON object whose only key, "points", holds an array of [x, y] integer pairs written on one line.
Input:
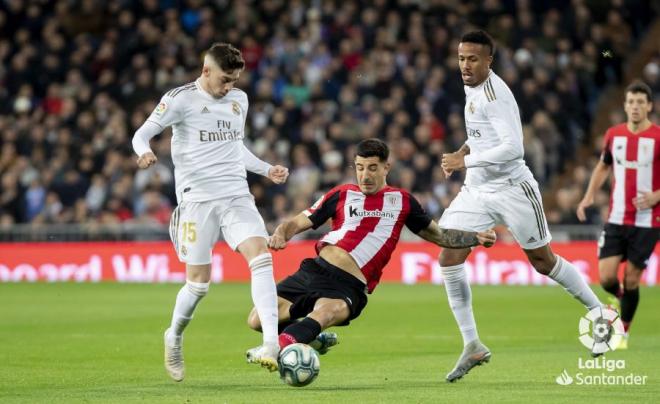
{"points": [[367, 226], [635, 159]]}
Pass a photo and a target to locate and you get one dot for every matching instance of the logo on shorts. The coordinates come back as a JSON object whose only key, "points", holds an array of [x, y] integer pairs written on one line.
{"points": [[184, 250], [531, 240], [235, 108], [601, 330]]}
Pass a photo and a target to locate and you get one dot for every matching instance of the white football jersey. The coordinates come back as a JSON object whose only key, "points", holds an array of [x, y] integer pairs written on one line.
{"points": [[207, 141], [494, 135]]}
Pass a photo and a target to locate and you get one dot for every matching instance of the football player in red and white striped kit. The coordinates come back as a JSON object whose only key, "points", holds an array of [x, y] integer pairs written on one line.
{"points": [[367, 218], [632, 151]]}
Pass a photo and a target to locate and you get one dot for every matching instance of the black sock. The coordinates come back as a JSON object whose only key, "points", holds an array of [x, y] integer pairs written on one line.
{"points": [[284, 324], [304, 331], [612, 288], [629, 303]]}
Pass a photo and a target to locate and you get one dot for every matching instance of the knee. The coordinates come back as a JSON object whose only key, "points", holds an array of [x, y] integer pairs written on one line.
{"points": [[632, 279], [332, 314], [253, 320], [608, 280], [450, 256]]}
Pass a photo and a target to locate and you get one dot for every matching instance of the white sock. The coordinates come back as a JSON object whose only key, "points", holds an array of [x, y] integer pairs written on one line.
{"points": [[264, 295], [565, 274], [460, 301], [186, 301]]}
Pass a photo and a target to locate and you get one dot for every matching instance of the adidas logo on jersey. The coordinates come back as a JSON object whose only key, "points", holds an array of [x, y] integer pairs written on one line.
{"points": [[205, 111]]}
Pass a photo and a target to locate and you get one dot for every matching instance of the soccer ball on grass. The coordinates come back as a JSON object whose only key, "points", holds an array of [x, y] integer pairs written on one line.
{"points": [[299, 365]]}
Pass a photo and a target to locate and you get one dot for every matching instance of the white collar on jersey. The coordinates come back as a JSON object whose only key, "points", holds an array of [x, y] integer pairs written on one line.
{"points": [[475, 88]]}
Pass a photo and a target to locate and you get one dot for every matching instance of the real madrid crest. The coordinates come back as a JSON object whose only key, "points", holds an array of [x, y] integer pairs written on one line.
{"points": [[471, 107], [235, 108]]}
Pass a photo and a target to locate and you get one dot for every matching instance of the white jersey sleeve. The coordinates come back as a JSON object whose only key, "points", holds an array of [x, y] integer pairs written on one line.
{"points": [[499, 114], [143, 135], [254, 164], [168, 111]]}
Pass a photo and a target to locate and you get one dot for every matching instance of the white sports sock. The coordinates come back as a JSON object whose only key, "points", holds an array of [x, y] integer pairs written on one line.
{"points": [[460, 301], [186, 301], [264, 295], [565, 274]]}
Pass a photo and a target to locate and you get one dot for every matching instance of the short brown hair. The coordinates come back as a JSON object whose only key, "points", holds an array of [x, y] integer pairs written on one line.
{"points": [[639, 86], [226, 56]]}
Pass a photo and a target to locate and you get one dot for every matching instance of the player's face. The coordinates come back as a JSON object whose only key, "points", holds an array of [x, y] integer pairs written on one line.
{"points": [[637, 107], [371, 174], [219, 81], [474, 61]]}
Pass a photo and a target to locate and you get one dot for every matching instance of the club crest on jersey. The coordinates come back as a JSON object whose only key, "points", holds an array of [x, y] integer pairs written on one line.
{"points": [[160, 109], [392, 200], [235, 108], [471, 107]]}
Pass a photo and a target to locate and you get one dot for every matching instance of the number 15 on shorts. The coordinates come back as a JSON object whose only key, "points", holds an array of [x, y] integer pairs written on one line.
{"points": [[189, 232]]}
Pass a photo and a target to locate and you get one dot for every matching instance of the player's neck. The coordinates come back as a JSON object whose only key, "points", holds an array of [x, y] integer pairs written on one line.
{"points": [[639, 127], [205, 86]]}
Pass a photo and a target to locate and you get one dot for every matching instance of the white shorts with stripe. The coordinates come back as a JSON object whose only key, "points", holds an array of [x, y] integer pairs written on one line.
{"points": [[518, 207], [195, 226]]}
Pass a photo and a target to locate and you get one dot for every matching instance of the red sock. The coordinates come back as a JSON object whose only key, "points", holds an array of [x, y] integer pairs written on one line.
{"points": [[286, 339], [626, 325]]}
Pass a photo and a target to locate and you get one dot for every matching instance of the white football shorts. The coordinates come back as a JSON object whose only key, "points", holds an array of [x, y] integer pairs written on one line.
{"points": [[195, 226], [518, 207]]}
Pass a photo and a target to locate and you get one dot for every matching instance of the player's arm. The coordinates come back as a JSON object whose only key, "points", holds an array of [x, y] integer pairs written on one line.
{"points": [[141, 138], [450, 238], [420, 223], [278, 174], [165, 114], [510, 147], [322, 210], [285, 231], [598, 178], [499, 113]]}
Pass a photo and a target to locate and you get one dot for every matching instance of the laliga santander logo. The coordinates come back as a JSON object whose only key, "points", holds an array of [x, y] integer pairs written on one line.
{"points": [[606, 327]]}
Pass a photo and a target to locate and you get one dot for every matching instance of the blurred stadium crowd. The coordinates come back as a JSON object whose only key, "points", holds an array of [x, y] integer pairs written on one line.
{"points": [[79, 77]]}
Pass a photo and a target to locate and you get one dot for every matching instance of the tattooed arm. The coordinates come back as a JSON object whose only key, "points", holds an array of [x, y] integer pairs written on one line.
{"points": [[450, 238]]}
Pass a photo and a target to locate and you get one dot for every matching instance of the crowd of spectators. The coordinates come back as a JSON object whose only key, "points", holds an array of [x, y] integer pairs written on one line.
{"points": [[79, 77]]}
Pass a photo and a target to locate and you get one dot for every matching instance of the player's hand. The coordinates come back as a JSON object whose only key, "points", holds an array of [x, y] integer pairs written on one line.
{"points": [[487, 238], [646, 200], [276, 242], [278, 174], [447, 173], [582, 206], [147, 160], [453, 161]]}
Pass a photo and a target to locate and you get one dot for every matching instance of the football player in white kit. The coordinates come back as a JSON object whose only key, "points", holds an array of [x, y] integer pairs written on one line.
{"points": [[498, 189], [210, 162]]}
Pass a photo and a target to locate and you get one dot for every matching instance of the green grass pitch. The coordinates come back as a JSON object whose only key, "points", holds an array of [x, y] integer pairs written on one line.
{"points": [[64, 343]]}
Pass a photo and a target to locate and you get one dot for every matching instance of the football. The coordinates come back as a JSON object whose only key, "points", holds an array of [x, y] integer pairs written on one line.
{"points": [[299, 365]]}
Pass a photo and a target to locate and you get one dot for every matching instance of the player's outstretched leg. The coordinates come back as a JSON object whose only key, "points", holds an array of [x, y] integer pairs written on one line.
{"points": [[324, 341], [474, 354]]}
